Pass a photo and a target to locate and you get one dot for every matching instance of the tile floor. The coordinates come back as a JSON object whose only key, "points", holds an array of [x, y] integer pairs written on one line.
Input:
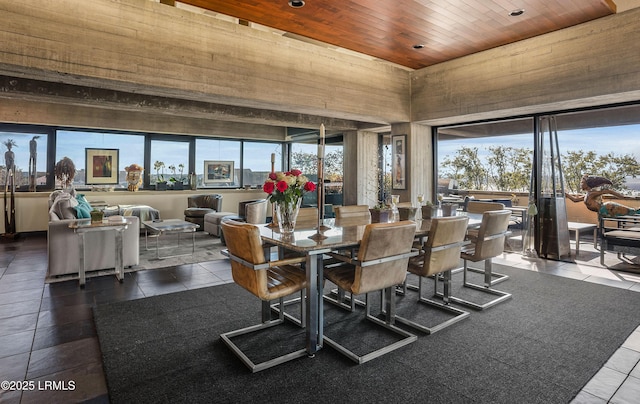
{"points": [[48, 340]]}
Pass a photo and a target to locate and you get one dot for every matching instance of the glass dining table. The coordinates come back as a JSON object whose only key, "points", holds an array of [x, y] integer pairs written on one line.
{"points": [[313, 244]]}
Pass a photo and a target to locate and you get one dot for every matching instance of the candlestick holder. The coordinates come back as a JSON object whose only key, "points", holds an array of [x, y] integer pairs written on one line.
{"points": [[273, 207], [321, 227]]}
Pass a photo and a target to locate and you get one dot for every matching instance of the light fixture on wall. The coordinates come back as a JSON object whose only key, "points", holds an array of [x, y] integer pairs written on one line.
{"points": [[296, 3]]}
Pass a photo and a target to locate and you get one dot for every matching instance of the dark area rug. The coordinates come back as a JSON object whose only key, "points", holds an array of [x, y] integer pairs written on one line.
{"points": [[542, 346]]}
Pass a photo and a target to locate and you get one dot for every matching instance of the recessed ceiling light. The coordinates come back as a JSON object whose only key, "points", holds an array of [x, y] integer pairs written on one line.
{"points": [[516, 13], [296, 3], [418, 46]]}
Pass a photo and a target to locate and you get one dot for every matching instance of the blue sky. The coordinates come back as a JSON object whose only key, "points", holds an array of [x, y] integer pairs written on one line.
{"points": [[618, 140]]}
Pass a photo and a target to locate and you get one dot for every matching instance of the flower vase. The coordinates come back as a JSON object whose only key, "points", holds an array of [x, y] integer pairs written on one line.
{"points": [[287, 213]]}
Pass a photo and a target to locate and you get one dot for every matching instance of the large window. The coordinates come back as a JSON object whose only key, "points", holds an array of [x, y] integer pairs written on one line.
{"points": [[218, 163], [256, 162], [604, 143], [169, 161], [73, 144], [492, 160], [497, 156], [494, 157], [27, 151], [385, 173], [304, 156]]}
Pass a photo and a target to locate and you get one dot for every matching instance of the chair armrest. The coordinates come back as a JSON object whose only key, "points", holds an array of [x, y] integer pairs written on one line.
{"points": [[497, 235], [266, 265], [287, 261], [341, 257], [451, 245], [357, 262]]}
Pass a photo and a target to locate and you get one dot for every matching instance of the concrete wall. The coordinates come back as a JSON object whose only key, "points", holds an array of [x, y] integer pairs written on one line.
{"points": [[143, 47], [589, 64]]}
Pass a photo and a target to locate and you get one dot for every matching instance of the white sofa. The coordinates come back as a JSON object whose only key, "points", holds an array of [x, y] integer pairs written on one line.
{"points": [[63, 244]]}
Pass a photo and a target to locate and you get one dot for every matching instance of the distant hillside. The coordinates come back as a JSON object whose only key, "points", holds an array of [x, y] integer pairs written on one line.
{"points": [[633, 183]]}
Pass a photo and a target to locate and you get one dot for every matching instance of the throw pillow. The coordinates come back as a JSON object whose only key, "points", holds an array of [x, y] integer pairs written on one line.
{"points": [[82, 211], [82, 200]]}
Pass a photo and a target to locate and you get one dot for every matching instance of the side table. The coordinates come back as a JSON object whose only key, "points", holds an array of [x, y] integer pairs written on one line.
{"points": [[83, 226], [583, 227]]}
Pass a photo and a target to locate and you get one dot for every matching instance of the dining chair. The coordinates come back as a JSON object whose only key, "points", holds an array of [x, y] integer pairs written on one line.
{"points": [[481, 207], [488, 244], [472, 234], [267, 280], [440, 255], [381, 264], [307, 218], [353, 214]]}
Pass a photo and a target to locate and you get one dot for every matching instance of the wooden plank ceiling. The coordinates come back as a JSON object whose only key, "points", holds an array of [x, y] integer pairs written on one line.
{"points": [[389, 29]]}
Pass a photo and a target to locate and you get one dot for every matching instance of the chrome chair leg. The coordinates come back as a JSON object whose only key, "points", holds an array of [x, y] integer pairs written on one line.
{"points": [[388, 323], [458, 314], [502, 296], [283, 314], [494, 277], [266, 323]]}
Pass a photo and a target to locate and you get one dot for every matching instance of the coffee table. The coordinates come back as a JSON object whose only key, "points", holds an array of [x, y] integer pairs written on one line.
{"points": [[160, 227]]}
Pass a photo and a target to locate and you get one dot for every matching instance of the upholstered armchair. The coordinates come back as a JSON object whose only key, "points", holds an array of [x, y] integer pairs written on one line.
{"points": [[200, 205], [253, 211], [267, 281], [381, 264]]}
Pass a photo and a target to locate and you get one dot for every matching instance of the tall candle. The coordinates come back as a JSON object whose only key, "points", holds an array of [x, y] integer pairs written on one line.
{"points": [[273, 157], [321, 144]]}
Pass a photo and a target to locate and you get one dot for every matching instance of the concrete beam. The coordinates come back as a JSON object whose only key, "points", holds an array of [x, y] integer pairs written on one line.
{"points": [[144, 47], [590, 64], [68, 94]]}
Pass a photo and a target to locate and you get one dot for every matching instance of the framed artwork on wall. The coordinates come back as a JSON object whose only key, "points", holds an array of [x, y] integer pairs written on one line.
{"points": [[101, 166], [218, 172], [398, 171]]}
